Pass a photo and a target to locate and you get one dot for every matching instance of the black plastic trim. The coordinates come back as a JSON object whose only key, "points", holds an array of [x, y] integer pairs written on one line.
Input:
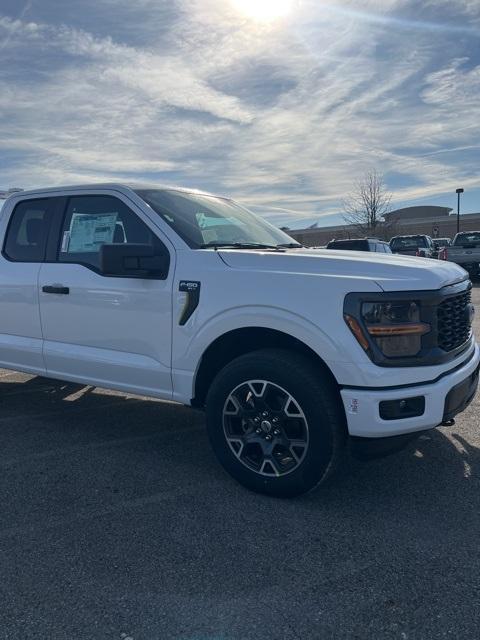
{"points": [[58, 290], [428, 301], [389, 410], [460, 396], [59, 205]]}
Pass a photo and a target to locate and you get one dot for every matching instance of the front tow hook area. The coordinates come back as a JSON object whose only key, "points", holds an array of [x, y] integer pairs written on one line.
{"points": [[448, 423]]}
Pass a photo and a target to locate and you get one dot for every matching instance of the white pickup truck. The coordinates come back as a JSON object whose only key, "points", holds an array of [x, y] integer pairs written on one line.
{"points": [[465, 251], [184, 296]]}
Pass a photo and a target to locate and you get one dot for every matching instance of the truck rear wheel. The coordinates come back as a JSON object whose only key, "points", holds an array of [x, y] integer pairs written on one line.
{"points": [[275, 422]]}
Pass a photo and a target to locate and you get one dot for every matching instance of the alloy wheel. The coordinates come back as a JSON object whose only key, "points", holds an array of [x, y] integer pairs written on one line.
{"points": [[265, 428]]}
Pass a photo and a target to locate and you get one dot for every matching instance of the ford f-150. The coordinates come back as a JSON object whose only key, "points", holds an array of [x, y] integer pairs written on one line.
{"points": [[180, 295]]}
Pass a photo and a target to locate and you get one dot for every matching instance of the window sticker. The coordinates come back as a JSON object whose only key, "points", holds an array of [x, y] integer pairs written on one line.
{"points": [[89, 231]]}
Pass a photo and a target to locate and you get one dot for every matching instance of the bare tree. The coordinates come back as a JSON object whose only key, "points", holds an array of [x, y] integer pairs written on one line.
{"points": [[365, 207]]}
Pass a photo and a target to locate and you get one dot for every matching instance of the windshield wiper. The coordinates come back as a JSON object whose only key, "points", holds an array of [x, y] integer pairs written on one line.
{"points": [[291, 245], [240, 245]]}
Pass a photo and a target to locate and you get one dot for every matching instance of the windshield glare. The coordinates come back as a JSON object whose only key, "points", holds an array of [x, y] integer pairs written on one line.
{"points": [[202, 220]]}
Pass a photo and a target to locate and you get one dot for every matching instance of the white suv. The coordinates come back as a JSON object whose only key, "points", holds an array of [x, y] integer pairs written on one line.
{"points": [[185, 296]]}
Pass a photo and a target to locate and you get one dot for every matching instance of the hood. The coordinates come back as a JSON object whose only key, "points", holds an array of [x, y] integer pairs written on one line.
{"points": [[391, 272]]}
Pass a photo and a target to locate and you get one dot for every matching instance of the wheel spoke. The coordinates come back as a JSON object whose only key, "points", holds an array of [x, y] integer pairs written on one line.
{"points": [[291, 408], [269, 464], [294, 446], [245, 400], [251, 437], [265, 428], [232, 406], [257, 387], [237, 445]]}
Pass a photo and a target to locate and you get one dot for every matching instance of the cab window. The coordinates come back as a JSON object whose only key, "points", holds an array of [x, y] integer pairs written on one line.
{"points": [[27, 233], [91, 221]]}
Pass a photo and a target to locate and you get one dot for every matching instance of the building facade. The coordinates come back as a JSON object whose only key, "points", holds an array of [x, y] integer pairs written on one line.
{"points": [[437, 222]]}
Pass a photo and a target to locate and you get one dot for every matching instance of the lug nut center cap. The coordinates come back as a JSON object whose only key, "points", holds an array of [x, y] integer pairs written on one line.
{"points": [[266, 426]]}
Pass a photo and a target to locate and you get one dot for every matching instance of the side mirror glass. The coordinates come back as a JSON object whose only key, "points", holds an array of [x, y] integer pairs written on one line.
{"points": [[134, 260]]}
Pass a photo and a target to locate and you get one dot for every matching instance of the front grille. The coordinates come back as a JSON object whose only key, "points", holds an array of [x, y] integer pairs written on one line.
{"points": [[453, 321]]}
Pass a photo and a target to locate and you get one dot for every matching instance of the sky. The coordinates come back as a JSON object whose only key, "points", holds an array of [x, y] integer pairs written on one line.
{"points": [[283, 105]]}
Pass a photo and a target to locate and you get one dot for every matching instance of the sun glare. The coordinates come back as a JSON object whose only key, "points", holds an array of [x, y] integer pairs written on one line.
{"points": [[264, 10]]}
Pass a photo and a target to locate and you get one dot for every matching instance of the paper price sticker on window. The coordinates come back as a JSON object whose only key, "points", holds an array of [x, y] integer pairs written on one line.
{"points": [[89, 231]]}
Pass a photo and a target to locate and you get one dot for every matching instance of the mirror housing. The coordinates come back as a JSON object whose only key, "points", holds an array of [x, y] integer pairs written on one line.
{"points": [[134, 261]]}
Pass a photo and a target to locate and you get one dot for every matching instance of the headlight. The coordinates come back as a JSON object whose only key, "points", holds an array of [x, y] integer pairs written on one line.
{"points": [[394, 326]]}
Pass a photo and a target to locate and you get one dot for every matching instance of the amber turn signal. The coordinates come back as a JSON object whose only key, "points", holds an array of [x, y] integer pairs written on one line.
{"points": [[356, 329], [386, 331]]}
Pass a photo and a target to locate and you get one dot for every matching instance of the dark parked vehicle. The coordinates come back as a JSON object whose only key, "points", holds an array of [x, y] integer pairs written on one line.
{"points": [[417, 245], [360, 244]]}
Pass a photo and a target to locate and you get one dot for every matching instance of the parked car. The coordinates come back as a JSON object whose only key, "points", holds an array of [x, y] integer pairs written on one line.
{"points": [[360, 244], [465, 251], [185, 296], [415, 245]]}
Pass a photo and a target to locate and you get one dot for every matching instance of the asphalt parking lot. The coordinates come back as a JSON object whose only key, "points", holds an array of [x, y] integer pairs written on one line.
{"points": [[117, 523]]}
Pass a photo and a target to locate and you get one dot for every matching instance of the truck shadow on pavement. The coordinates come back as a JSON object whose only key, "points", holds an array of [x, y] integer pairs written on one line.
{"points": [[42, 418], [115, 507]]}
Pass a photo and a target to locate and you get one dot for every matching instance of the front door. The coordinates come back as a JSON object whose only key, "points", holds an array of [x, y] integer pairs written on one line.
{"points": [[105, 330]]}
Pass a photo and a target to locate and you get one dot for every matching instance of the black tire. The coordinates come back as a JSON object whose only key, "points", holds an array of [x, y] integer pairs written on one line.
{"points": [[314, 413]]}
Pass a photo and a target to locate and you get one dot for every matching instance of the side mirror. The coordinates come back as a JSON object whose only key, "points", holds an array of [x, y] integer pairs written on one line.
{"points": [[134, 261]]}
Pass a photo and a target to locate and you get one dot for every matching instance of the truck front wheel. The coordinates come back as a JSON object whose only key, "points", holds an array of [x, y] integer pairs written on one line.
{"points": [[275, 422]]}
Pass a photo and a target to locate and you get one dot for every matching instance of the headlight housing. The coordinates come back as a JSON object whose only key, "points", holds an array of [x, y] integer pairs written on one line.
{"points": [[411, 328], [394, 326]]}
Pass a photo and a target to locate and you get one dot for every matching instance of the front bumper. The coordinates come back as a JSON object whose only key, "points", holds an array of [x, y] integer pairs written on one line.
{"points": [[443, 399]]}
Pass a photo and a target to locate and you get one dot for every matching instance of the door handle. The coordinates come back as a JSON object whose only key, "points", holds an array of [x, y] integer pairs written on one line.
{"points": [[52, 289]]}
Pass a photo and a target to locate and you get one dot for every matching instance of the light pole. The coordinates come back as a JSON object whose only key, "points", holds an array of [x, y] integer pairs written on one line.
{"points": [[458, 192]]}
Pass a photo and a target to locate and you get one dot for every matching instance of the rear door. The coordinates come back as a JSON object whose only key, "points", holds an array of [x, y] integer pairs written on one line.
{"points": [[108, 331], [25, 231]]}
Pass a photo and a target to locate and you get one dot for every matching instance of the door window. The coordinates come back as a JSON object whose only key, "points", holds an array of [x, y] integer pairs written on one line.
{"points": [[92, 221], [27, 232]]}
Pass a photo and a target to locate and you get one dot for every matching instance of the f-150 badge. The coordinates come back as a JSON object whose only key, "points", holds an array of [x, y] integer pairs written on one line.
{"points": [[192, 289]]}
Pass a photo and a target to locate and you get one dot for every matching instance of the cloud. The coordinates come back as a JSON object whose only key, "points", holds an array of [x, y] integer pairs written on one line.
{"points": [[161, 79], [470, 8], [455, 83], [285, 116]]}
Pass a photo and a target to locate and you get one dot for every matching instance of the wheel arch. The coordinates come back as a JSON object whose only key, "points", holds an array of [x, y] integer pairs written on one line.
{"points": [[240, 341]]}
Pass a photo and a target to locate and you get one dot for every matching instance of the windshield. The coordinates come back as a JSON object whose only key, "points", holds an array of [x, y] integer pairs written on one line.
{"points": [[408, 244], [203, 221], [468, 239]]}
